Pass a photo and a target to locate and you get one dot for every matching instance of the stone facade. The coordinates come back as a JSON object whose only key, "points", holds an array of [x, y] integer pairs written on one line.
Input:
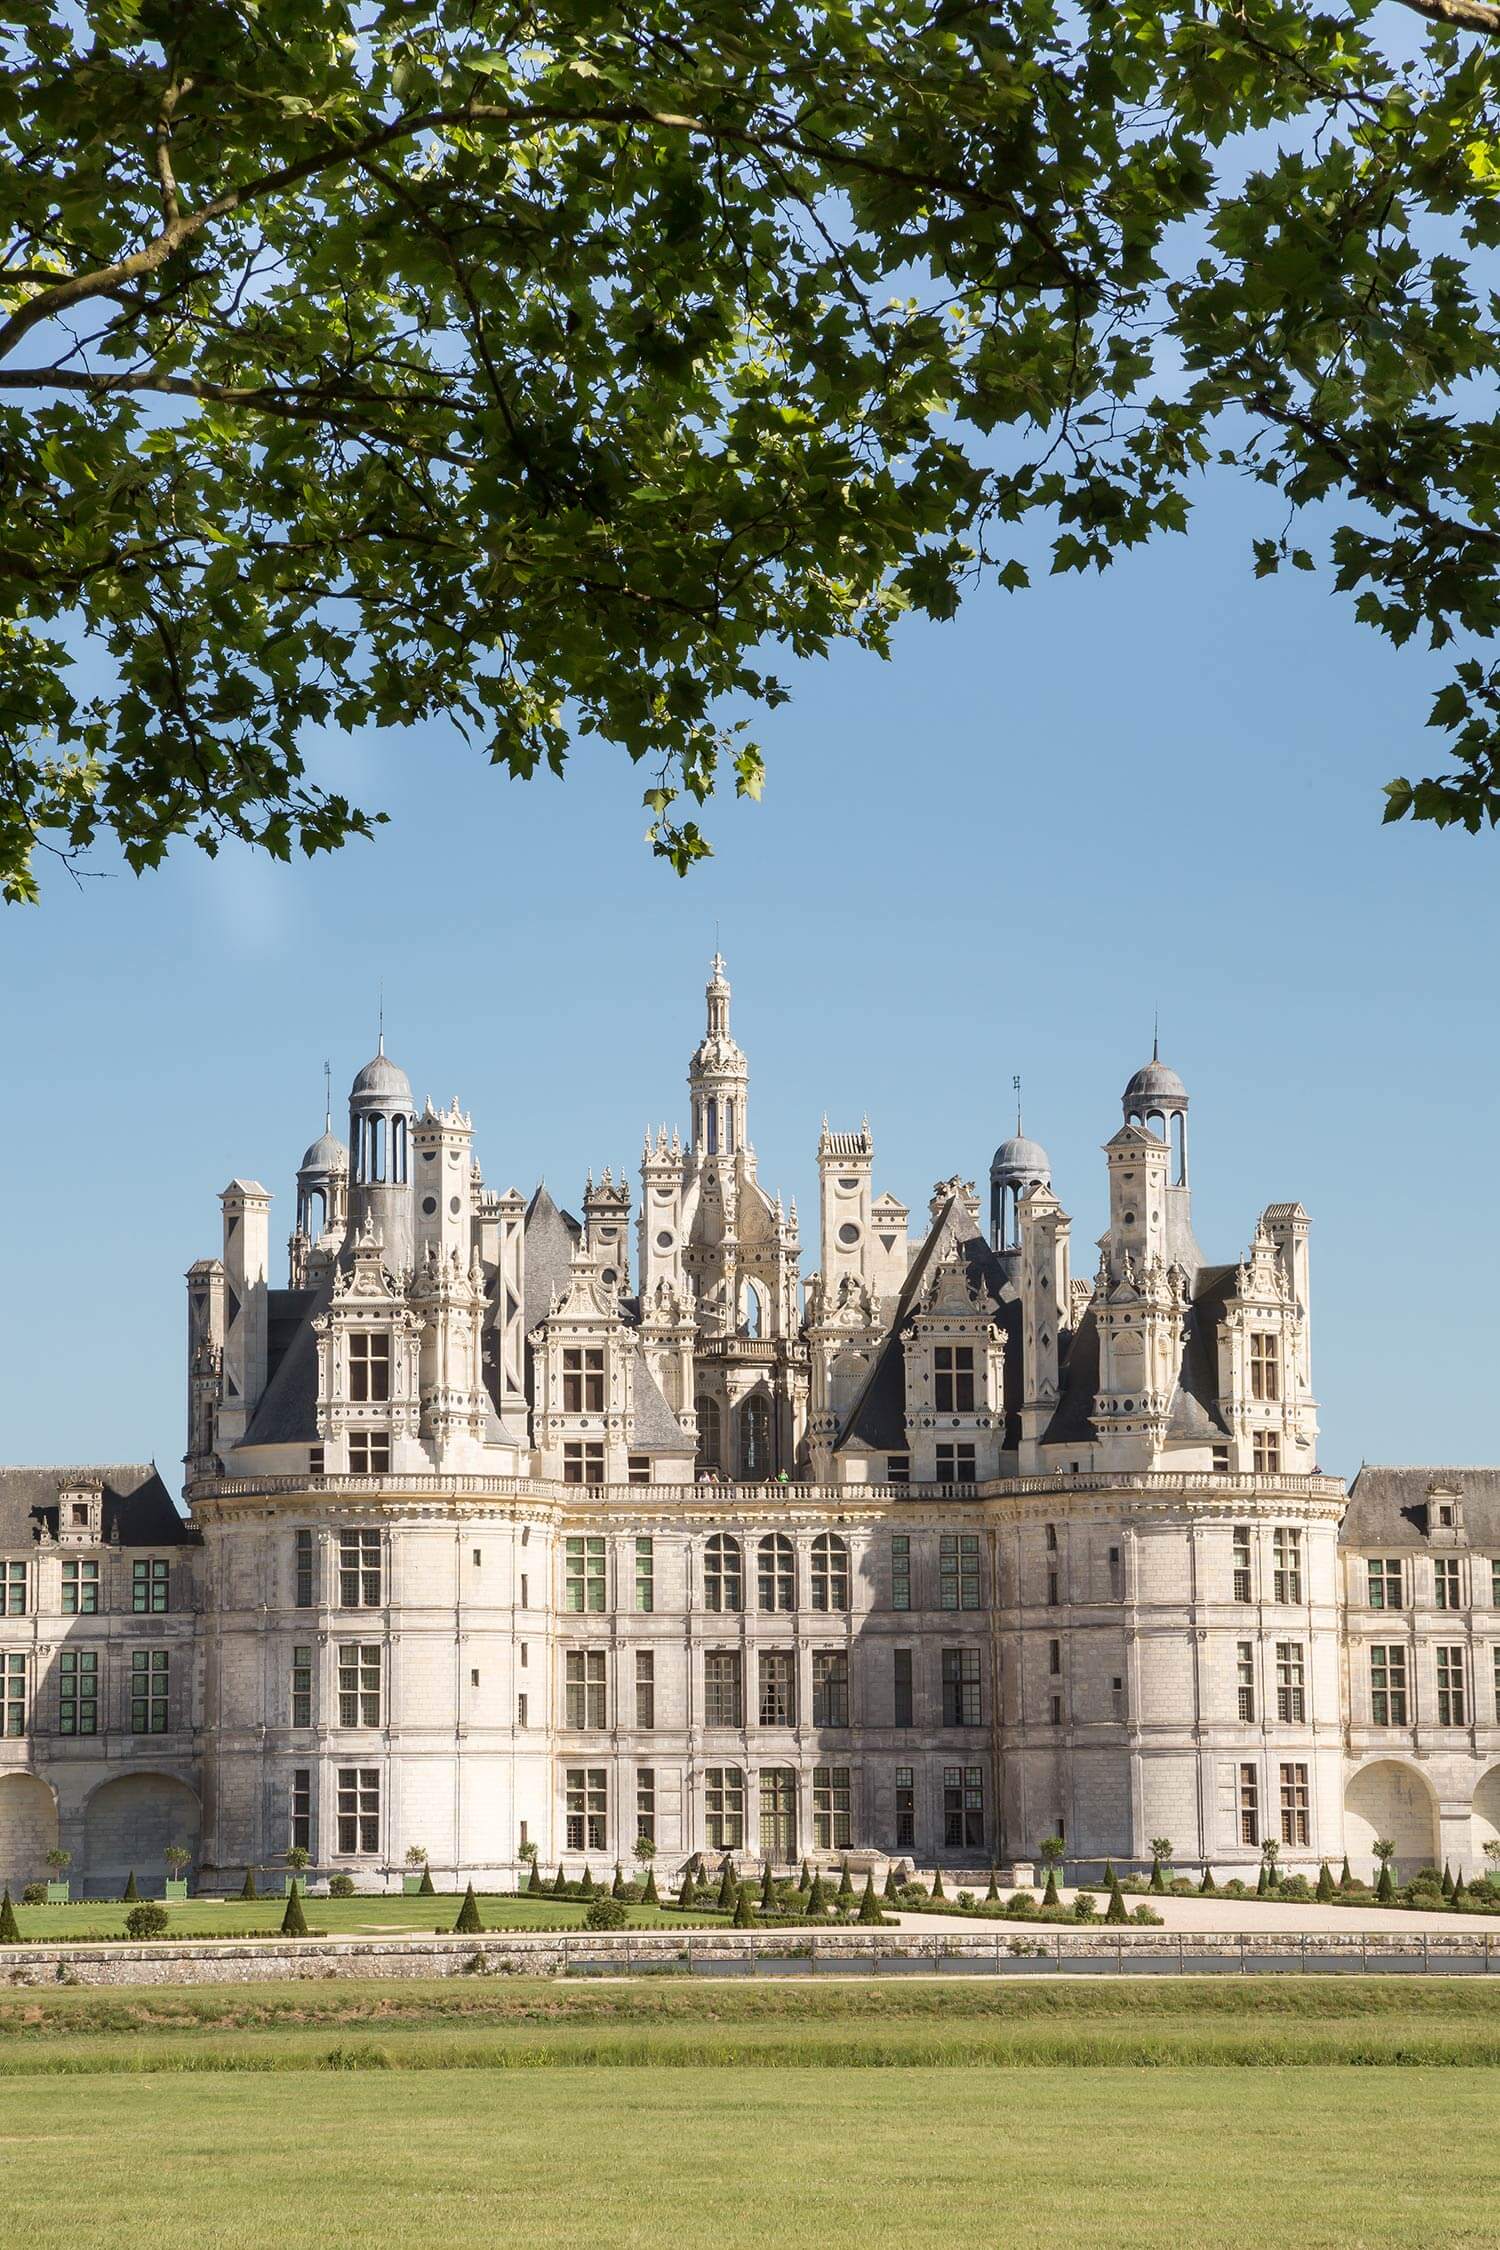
{"points": [[509, 1527]]}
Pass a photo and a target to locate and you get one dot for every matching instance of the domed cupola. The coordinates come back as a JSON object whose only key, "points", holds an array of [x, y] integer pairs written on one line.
{"points": [[1017, 1166], [718, 1077], [380, 1118], [1157, 1100]]}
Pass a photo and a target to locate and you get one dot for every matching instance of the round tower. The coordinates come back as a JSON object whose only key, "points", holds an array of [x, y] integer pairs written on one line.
{"points": [[718, 1077], [380, 1120], [1017, 1166], [1157, 1100]]}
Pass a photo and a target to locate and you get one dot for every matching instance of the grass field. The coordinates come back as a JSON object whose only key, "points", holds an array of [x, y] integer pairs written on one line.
{"points": [[615, 2160], [608, 2115], [335, 1917]]}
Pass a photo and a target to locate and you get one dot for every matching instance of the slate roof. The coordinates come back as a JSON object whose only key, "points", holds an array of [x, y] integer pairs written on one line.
{"points": [[137, 1505], [1194, 1411], [286, 1412], [1388, 1507], [657, 1429]]}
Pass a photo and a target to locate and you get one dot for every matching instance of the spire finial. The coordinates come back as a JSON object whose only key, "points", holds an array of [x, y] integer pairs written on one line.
{"points": [[1156, 1034], [327, 1097], [1016, 1083], [380, 1045]]}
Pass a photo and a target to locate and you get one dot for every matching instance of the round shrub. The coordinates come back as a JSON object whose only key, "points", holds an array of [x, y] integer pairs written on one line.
{"points": [[148, 1920], [1085, 1906], [35, 1894], [341, 1886], [605, 1913]]}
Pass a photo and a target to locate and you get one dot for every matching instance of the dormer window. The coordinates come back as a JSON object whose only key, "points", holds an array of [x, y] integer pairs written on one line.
{"points": [[953, 1378], [583, 1380], [1265, 1367], [369, 1367]]}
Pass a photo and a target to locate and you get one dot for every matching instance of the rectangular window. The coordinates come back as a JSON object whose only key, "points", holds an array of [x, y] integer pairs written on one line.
{"points": [[583, 1461], [902, 1713], [369, 1453], [1445, 1583], [523, 1711], [1249, 1805], [359, 1683], [898, 1468], [369, 1368], [1054, 1591], [1294, 1805], [1054, 1657], [1495, 1581], [778, 1814], [359, 1570], [583, 1380], [315, 1460], [302, 1681], [1452, 1698], [1265, 1449], [1242, 1591], [963, 1807], [584, 1690], [148, 1691], [1286, 1547], [148, 1586], [1116, 1572], [958, 1570], [583, 1575], [358, 1809], [645, 1576], [723, 1699], [12, 1691], [1291, 1700], [302, 1807], [953, 1378], [638, 1468], [830, 1686], [777, 1703], [80, 1589], [78, 1708], [1245, 1673], [831, 1829], [1385, 1581], [900, 1571], [961, 1701], [586, 1801], [906, 1808], [645, 1687], [645, 1805], [1117, 1697], [304, 1592], [1265, 1366], [12, 1589], [1388, 1706], [955, 1464], [1055, 1710], [724, 1808]]}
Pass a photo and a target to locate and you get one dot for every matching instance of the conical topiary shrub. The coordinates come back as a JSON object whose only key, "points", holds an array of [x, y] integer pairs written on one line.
{"points": [[994, 1890], [845, 1892], [869, 1905], [1385, 1889], [10, 1931], [426, 1888], [892, 1887], [744, 1912], [1108, 1877], [586, 1883], [294, 1921], [1115, 1911], [937, 1890], [729, 1888], [1158, 1878], [617, 1887], [1460, 1889], [1263, 1881], [805, 1879], [1327, 1888], [767, 1891], [1447, 1880], [1208, 1888], [468, 1923], [130, 1894], [559, 1887], [247, 1888], [1346, 1878], [817, 1898], [1049, 1895], [534, 1882], [649, 1895]]}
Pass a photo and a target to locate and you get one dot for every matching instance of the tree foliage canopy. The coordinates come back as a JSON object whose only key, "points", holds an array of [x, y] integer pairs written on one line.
{"points": [[557, 368]]}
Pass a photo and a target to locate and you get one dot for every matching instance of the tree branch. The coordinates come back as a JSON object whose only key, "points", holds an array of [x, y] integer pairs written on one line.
{"points": [[1464, 15]]}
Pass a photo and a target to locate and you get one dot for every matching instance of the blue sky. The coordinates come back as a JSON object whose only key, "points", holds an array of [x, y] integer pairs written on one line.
{"points": [[995, 854]]}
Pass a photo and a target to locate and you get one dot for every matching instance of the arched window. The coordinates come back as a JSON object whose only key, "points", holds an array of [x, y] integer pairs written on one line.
{"points": [[376, 1148], [729, 1128], [755, 1436], [710, 1433], [713, 1128], [830, 1572], [723, 1573], [1179, 1149], [398, 1151], [777, 1572], [751, 1310]]}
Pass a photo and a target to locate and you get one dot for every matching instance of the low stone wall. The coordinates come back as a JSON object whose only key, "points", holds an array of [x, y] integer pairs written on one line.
{"points": [[1014, 1950]]}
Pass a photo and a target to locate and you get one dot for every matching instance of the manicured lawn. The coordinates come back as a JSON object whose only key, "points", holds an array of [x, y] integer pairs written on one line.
{"points": [[627, 2160], [335, 1917]]}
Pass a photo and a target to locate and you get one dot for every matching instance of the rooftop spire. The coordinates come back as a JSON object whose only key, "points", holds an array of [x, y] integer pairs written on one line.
{"points": [[327, 1097], [1156, 1034], [1016, 1083]]}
